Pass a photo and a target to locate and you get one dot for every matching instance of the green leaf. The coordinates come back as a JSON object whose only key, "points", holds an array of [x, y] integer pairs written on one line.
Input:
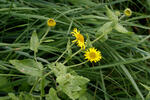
{"points": [[104, 30], [69, 50], [73, 86], [34, 42], [58, 69], [122, 29], [112, 16], [47, 40], [82, 2], [148, 2], [52, 95], [83, 98], [146, 87], [27, 66], [148, 96], [12, 96], [3, 82]]}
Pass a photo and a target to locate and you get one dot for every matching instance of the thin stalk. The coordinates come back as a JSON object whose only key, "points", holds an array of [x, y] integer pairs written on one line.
{"points": [[63, 53], [72, 56], [48, 29]]}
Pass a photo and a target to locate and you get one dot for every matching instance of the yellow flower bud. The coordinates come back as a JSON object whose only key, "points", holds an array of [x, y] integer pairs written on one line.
{"points": [[127, 12], [51, 22]]}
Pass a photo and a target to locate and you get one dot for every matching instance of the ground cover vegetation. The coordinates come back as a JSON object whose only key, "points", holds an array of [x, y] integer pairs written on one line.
{"points": [[74, 50]]}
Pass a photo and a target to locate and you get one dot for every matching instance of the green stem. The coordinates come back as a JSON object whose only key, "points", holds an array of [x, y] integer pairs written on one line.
{"points": [[48, 29], [42, 87], [35, 56], [77, 64], [72, 56], [34, 85], [63, 53]]}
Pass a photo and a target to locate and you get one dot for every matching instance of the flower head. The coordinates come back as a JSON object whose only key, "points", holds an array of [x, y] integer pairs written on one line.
{"points": [[79, 38], [128, 12], [51, 22], [93, 55]]}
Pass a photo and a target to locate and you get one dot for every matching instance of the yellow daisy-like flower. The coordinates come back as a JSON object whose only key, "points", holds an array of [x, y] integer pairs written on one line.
{"points": [[93, 55], [51, 22], [128, 12], [79, 38]]}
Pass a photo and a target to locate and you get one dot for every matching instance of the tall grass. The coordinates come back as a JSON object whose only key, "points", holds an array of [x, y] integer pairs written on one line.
{"points": [[118, 76]]}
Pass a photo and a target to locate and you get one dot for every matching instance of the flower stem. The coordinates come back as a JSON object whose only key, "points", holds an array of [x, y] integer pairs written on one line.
{"points": [[41, 40]]}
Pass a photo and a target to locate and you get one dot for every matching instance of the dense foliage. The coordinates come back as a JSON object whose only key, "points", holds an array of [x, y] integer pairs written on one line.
{"points": [[38, 62]]}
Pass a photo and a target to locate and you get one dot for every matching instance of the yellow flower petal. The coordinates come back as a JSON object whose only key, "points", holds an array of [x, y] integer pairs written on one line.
{"points": [[93, 55], [79, 38]]}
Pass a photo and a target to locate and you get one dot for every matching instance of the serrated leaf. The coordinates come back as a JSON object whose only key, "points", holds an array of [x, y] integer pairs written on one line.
{"points": [[27, 66], [58, 69], [122, 29], [34, 42], [112, 15], [104, 38], [104, 30], [12, 96], [52, 95], [73, 86]]}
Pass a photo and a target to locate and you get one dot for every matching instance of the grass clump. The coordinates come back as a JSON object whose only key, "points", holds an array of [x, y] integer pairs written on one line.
{"points": [[42, 52]]}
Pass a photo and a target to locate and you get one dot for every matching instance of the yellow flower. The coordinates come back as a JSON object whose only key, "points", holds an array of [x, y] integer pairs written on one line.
{"points": [[128, 12], [93, 55], [79, 38], [51, 22]]}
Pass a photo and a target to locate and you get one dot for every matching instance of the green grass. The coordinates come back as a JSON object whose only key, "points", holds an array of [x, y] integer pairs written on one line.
{"points": [[125, 58]]}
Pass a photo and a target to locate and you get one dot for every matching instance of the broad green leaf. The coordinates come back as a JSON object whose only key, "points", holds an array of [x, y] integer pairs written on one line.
{"points": [[112, 16], [58, 69], [12, 96], [104, 38], [52, 95], [73, 86], [104, 30], [83, 98], [34, 42], [148, 2], [121, 29], [3, 82], [27, 66]]}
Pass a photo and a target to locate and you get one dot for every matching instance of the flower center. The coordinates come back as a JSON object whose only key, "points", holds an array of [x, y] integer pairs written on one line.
{"points": [[128, 12], [80, 38], [51, 21], [92, 55]]}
